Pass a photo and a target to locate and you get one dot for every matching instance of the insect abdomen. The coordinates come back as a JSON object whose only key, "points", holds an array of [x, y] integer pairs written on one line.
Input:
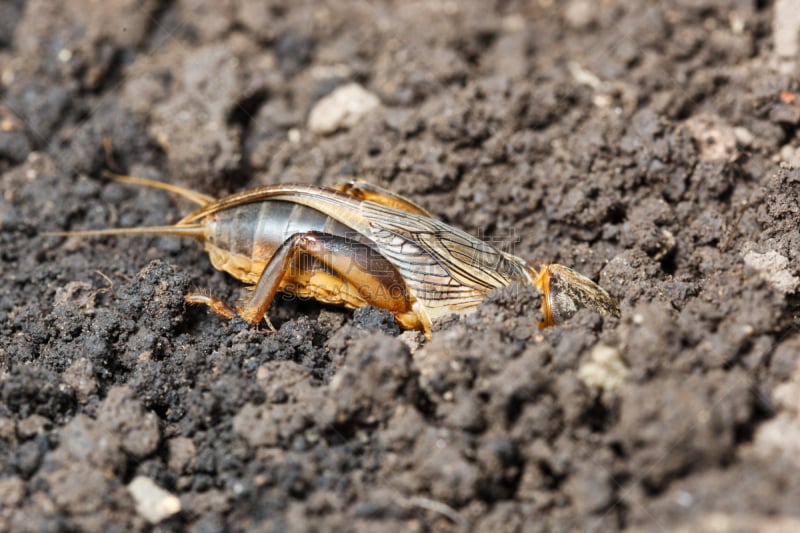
{"points": [[255, 231]]}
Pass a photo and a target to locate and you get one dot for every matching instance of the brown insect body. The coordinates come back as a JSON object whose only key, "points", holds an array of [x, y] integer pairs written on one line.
{"points": [[359, 245], [242, 240]]}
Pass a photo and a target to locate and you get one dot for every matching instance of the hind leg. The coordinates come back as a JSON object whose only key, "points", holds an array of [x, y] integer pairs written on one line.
{"points": [[352, 274]]}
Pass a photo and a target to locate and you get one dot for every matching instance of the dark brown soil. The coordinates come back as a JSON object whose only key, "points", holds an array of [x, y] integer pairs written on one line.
{"points": [[649, 147]]}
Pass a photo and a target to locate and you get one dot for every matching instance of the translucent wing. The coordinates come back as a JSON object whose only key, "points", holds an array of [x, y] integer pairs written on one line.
{"points": [[444, 266]]}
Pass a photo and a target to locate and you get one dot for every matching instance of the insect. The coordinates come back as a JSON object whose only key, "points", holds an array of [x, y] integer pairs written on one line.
{"points": [[356, 245]]}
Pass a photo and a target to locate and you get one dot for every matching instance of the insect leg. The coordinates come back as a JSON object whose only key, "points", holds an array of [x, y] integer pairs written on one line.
{"points": [[364, 277], [354, 274], [216, 305], [264, 292], [373, 193], [279, 266]]}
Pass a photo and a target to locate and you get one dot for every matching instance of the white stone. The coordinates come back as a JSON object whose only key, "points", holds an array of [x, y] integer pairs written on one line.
{"points": [[341, 109], [778, 437], [774, 268], [604, 369], [716, 139], [785, 28], [153, 503]]}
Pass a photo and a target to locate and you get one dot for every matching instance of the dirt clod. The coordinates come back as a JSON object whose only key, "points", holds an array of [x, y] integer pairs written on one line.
{"points": [[650, 147]]}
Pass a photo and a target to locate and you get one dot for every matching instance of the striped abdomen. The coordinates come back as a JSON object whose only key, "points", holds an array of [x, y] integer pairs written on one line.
{"points": [[240, 240]]}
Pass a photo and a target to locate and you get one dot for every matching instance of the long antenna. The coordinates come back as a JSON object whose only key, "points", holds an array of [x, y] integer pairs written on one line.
{"points": [[187, 230]]}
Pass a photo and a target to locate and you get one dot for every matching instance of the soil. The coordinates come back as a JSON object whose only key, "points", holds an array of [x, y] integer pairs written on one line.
{"points": [[649, 145]]}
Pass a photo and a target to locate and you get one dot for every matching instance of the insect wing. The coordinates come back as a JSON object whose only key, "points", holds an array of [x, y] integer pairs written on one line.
{"points": [[440, 263]]}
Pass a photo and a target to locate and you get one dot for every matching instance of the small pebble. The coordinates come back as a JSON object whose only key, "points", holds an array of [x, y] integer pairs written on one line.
{"points": [[605, 368], [153, 503], [774, 268], [341, 109]]}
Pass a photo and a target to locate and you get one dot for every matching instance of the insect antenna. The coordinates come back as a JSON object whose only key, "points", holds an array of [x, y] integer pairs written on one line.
{"points": [[184, 230]]}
